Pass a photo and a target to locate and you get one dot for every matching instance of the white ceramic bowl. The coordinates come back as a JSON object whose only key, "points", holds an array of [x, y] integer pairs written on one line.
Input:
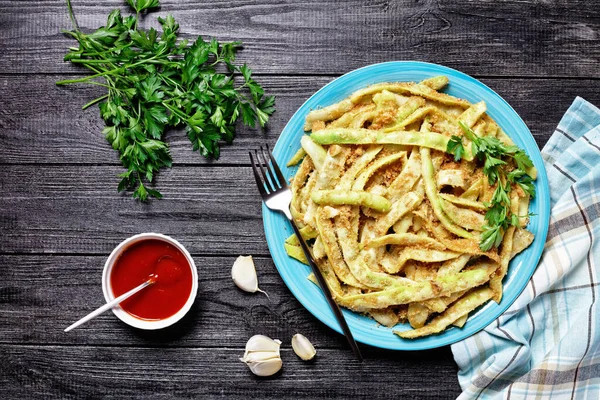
{"points": [[125, 316]]}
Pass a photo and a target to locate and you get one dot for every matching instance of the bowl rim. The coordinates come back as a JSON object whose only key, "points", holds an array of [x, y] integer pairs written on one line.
{"points": [[128, 318]]}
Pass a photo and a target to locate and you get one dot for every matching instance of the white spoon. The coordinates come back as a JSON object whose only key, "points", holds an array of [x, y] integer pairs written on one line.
{"points": [[111, 304]]}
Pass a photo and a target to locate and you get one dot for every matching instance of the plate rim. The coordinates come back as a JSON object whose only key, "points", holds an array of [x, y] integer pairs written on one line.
{"points": [[543, 196]]}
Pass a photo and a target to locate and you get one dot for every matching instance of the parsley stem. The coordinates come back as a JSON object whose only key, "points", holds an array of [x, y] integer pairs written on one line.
{"points": [[91, 103]]}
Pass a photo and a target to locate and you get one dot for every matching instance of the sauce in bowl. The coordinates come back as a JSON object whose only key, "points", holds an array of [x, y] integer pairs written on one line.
{"points": [[162, 261]]}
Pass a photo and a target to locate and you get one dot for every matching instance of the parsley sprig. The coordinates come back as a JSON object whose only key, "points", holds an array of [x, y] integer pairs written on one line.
{"points": [[495, 155], [155, 81]]}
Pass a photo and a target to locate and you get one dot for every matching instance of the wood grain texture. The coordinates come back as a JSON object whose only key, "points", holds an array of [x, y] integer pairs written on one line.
{"points": [[60, 215], [75, 209], [53, 128], [142, 373], [46, 293], [527, 38]]}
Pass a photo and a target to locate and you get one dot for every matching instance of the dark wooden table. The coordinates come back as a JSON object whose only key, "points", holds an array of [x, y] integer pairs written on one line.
{"points": [[60, 215]]}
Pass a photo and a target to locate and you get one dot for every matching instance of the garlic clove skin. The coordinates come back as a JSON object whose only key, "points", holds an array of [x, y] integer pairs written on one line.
{"points": [[262, 355], [244, 276], [303, 347], [265, 368], [259, 343], [259, 356]]}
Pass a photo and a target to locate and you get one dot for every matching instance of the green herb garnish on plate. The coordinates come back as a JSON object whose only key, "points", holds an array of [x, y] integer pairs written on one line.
{"points": [[495, 156]]}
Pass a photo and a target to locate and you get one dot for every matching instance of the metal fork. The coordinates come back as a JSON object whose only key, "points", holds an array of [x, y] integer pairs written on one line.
{"points": [[277, 196]]}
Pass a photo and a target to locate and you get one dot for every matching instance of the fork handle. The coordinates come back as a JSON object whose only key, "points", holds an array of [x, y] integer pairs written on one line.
{"points": [[323, 284]]}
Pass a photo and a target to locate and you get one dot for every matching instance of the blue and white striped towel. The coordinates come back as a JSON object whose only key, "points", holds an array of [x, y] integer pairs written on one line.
{"points": [[547, 344]]}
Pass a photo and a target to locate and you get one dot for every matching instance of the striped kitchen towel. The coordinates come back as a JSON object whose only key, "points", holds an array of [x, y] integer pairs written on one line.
{"points": [[547, 344]]}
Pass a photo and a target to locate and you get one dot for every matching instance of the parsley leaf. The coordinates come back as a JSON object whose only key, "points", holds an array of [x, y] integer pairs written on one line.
{"points": [[495, 156], [455, 146], [155, 82]]}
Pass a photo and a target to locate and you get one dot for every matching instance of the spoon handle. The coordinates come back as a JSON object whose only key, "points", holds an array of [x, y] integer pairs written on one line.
{"points": [[109, 305]]}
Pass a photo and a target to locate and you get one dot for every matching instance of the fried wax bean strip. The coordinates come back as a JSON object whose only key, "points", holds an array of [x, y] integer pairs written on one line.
{"points": [[296, 252], [418, 291], [329, 176], [330, 277], [431, 191], [339, 197], [505, 252], [393, 265], [347, 119], [454, 266], [479, 127], [387, 107], [474, 191], [385, 316], [477, 205], [417, 314], [521, 240], [436, 82], [403, 224], [311, 277], [412, 88], [404, 205], [361, 119], [468, 246], [406, 239], [353, 258], [297, 215], [334, 254], [415, 116], [432, 140], [296, 158], [462, 307], [459, 323], [450, 177], [308, 232], [470, 116], [316, 152], [318, 249], [347, 180], [304, 195], [504, 138], [299, 181], [463, 217], [524, 210], [407, 178], [328, 113], [406, 109], [366, 174], [491, 128], [440, 304]]}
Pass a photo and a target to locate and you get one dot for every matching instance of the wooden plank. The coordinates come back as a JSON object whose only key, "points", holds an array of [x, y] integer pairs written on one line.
{"points": [[141, 373], [508, 39], [40, 295], [76, 209], [53, 128]]}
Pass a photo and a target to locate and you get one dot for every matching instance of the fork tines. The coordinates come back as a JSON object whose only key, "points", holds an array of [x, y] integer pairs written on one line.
{"points": [[272, 178]]}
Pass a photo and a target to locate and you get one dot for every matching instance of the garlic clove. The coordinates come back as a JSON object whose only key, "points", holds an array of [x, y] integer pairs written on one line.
{"points": [[244, 276], [262, 355], [259, 356], [262, 343], [266, 368], [303, 347]]}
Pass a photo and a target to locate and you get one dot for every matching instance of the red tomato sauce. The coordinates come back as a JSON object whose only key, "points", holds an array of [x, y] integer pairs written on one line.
{"points": [[138, 263]]}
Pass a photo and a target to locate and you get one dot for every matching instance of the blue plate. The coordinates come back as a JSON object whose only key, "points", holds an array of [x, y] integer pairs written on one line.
{"points": [[364, 329]]}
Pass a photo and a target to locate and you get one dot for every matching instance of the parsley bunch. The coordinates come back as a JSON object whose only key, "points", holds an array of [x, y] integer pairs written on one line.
{"points": [[495, 155], [155, 81]]}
